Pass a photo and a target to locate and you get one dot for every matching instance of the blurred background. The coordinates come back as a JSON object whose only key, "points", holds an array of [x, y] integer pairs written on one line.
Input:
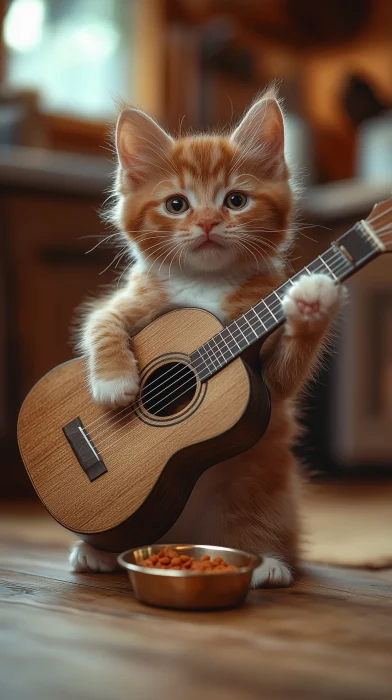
{"points": [[194, 64]]}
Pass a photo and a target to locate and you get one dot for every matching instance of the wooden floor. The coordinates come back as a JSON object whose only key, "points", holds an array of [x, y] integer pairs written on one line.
{"points": [[85, 637]]}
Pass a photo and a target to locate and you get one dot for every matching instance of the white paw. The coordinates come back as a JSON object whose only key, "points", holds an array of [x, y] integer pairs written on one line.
{"points": [[115, 392], [311, 299], [83, 557], [272, 573]]}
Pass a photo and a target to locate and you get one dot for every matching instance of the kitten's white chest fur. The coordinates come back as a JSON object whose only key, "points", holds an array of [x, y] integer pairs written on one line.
{"points": [[203, 293]]}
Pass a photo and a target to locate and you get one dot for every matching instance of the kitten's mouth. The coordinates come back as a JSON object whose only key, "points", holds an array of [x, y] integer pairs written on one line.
{"points": [[208, 244]]}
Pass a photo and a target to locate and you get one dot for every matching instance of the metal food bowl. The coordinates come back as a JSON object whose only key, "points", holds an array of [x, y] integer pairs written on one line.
{"points": [[191, 590]]}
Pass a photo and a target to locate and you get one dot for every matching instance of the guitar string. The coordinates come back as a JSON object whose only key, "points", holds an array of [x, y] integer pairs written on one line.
{"points": [[324, 264], [182, 368], [124, 428], [225, 346], [338, 270], [186, 384], [381, 232], [265, 315], [374, 218]]}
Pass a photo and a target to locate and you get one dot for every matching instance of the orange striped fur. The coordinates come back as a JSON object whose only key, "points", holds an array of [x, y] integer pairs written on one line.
{"points": [[224, 258]]}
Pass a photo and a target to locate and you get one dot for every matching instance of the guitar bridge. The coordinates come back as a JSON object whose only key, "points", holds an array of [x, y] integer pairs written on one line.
{"points": [[84, 449]]}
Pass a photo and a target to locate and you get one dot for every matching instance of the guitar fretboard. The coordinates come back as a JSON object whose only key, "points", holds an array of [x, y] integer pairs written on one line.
{"points": [[350, 252]]}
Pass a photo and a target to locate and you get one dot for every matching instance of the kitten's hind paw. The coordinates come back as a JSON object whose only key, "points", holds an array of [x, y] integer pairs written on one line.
{"points": [[272, 573], [84, 558]]}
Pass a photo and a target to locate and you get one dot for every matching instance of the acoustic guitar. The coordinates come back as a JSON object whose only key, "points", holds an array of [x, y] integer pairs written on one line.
{"points": [[120, 478]]}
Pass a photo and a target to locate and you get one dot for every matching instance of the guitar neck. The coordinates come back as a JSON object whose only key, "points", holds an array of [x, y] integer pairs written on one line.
{"points": [[343, 258]]}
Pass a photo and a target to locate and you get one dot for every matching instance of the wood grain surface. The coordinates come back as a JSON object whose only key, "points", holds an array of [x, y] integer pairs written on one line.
{"points": [[68, 636]]}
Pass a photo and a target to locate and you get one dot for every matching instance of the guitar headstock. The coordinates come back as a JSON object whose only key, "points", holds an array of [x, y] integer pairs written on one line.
{"points": [[380, 222]]}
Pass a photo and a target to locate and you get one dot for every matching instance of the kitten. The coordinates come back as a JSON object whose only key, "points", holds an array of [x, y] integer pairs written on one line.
{"points": [[208, 221]]}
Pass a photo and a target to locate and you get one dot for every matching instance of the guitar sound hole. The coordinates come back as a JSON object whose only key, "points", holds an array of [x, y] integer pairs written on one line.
{"points": [[169, 389]]}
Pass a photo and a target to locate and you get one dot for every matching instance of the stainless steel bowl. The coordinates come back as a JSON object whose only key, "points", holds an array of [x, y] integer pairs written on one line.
{"points": [[167, 588]]}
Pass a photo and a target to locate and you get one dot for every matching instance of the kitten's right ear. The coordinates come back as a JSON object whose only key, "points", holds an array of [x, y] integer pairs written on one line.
{"points": [[140, 144], [261, 132]]}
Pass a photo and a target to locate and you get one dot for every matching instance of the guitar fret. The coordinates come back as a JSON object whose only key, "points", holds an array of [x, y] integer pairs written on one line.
{"points": [[246, 328], [265, 319], [209, 347], [214, 346], [257, 317], [235, 341], [209, 361], [199, 352], [328, 268], [268, 309], [204, 372], [229, 339], [223, 346], [241, 331], [277, 312], [337, 262], [250, 326], [313, 267]]}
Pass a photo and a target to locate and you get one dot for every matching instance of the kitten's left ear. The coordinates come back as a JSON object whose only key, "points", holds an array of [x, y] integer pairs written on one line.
{"points": [[141, 144], [263, 128]]}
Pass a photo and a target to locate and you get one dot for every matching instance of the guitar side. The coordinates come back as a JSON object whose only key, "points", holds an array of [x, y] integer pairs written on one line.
{"points": [[152, 462]]}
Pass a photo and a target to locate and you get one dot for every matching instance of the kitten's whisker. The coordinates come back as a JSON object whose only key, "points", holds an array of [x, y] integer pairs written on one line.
{"points": [[237, 184], [166, 157], [155, 246], [260, 241], [250, 237], [100, 242], [161, 183], [259, 251], [111, 263], [184, 245], [243, 246], [121, 256], [172, 249], [253, 246], [262, 244], [308, 237], [162, 232], [256, 150], [127, 267], [99, 235], [174, 256]]}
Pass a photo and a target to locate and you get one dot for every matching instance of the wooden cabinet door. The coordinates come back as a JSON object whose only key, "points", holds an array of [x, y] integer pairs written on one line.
{"points": [[51, 276]]}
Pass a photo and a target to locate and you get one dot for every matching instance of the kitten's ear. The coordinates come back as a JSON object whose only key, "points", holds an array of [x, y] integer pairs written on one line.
{"points": [[263, 128], [140, 144]]}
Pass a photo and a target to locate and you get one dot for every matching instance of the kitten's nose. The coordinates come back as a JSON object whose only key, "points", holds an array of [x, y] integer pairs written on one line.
{"points": [[207, 224]]}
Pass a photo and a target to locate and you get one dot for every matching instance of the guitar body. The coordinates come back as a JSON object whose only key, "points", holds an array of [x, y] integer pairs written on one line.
{"points": [[121, 478]]}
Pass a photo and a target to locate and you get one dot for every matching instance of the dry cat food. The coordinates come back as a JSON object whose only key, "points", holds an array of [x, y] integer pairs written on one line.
{"points": [[168, 558]]}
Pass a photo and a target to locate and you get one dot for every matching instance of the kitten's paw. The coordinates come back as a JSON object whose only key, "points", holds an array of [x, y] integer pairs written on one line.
{"points": [[84, 558], [311, 300], [115, 392], [272, 573]]}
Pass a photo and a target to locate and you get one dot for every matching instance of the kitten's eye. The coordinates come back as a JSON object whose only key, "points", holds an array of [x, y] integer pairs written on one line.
{"points": [[236, 200], [176, 205]]}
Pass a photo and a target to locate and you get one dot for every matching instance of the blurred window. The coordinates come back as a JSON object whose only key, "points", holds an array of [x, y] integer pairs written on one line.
{"points": [[75, 53]]}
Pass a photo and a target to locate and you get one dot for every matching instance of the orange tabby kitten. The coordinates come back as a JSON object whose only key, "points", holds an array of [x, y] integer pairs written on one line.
{"points": [[207, 220]]}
